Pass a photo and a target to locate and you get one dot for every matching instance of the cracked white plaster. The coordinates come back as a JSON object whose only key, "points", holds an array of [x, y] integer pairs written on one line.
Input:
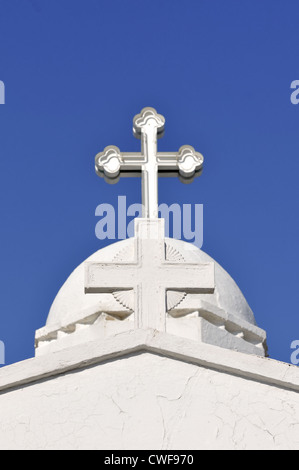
{"points": [[147, 401]]}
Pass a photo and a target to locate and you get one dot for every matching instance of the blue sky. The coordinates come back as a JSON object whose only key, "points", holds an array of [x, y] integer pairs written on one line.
{"points": [[75, 74]]}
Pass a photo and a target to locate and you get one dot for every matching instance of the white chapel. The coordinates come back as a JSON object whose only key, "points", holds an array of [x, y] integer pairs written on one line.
{"points": [[149, 344]]}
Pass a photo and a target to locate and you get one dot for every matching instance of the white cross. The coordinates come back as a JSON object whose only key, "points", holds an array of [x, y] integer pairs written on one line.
{"points": [[150, 275], [148, 126]]}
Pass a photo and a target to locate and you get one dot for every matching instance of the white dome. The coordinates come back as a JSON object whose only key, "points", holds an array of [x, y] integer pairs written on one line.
{"points": [[71, 298], [222, 317]]}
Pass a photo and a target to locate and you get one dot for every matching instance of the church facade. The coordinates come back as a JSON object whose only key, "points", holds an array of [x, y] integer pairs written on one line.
{"points": [[149, 390], [149, 344]]}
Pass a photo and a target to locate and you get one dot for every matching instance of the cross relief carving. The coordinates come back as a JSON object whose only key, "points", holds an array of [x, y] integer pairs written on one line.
{"points": [[150, 275]]}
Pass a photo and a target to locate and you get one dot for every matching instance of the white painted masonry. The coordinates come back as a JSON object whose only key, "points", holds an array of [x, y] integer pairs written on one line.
{"points": [[197, 380], [149, 390], [209, 308]]}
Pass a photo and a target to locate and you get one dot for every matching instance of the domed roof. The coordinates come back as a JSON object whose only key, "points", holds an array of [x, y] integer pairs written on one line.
{"points": [[72, 299], [204, 303]]}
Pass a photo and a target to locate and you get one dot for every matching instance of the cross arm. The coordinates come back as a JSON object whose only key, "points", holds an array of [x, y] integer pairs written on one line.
{"points": [[186, 161], [109, 277], [112, 163], [188, 277]]}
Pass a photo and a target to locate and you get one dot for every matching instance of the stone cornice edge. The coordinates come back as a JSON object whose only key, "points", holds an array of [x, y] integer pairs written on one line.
{"points": [[261, 369]]}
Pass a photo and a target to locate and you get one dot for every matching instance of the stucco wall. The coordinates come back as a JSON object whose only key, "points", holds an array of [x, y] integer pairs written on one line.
{"points": [[147, 401]]}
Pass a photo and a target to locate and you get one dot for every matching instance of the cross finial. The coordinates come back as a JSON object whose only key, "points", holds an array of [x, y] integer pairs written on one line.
{"points": [[148, 119], [149, 126]]}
